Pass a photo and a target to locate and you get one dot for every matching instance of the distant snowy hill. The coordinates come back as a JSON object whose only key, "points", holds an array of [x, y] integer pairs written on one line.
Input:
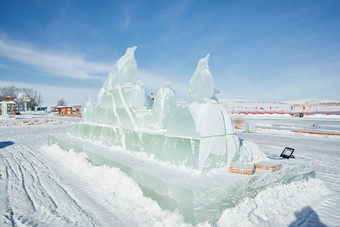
{"points": [[310, 106], [310, 101], [228, 102]]}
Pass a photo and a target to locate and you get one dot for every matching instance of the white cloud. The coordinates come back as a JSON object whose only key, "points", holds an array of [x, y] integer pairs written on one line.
{"points": [[73, 66], [51, 94], [76, 95], [53, 63]]}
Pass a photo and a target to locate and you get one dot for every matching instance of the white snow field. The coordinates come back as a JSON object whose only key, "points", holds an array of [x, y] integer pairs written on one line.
{"points": [[47, 186]]}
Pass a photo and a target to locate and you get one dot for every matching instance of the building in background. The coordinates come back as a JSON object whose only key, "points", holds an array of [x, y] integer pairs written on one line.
{"points": [[13, 107], [24, 99]]}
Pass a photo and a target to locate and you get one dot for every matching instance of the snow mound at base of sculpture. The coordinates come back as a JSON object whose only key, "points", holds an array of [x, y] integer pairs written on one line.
{"points": [[197, 196]]}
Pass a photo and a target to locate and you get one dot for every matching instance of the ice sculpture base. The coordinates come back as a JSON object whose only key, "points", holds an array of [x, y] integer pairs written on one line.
{"points": [[198, 197]]}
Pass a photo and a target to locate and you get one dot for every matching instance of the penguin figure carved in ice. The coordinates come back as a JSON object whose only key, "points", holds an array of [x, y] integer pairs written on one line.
{"points": [[127, 67], [201, 83], [123, 72]]}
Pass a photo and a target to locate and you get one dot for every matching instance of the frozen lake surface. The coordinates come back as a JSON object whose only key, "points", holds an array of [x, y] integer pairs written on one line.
{"points": [[313, 123], [41, 185], [274, 133]]}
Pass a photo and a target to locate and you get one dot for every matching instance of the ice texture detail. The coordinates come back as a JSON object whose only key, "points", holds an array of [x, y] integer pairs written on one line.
{"points": [[4, 109], [201, 84], [198, 135], [164, 105], [87, 110], [178, 153]]}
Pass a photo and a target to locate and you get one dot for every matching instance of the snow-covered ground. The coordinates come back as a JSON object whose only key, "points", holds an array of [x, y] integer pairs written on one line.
{"points": [[307, 106], [46, 186], [313, 202]]}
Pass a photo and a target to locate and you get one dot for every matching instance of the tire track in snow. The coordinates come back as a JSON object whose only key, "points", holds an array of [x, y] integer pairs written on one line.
{"points": [[87, 197], [26, 189], [5, 209], [50, 197], [18, 198], [59, 189], [20, 192]]}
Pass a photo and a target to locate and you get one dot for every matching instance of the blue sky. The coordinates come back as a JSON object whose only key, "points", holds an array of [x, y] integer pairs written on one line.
{"points": [[260, 50]]}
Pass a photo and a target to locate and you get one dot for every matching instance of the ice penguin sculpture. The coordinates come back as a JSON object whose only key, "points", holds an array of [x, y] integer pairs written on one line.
{"points": [[163, 107], [124, 72], [179, 159], [201, 83], [120, 95], [201, 118], [211, 121], [197, 135]]}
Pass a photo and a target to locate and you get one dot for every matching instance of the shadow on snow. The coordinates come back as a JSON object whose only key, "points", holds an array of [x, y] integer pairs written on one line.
{"points": [[4, 144], [306, 217]]}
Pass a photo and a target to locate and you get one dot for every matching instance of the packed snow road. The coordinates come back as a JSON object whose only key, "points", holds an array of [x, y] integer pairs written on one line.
{"points": [[35, 191], [43, 186]]}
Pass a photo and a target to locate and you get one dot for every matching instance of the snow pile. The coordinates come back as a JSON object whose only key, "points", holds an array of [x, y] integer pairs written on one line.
{"points": [[323, 116], [277, 206], [37, 121], [121, 193]]}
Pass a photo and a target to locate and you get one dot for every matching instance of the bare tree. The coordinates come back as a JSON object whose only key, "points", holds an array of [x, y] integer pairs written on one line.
{"points": [[8, 91], [61, 102], [35, 97], [39, 99]]}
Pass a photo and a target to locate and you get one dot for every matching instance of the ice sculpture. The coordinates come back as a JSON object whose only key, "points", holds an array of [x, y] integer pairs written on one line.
{"points": [[201, 83], [87, 110], [199, 135], [165, 103], [4, 109], [178, 154]]}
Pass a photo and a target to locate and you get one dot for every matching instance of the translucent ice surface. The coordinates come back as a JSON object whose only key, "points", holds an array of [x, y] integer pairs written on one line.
{"points": [[201, 83], [198, 135], [4, 109], [178, 154], [87, 110], [163, 107]]}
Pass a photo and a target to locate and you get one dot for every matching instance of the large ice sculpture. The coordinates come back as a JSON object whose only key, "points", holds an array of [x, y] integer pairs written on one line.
{"points": [[199, 135], [178, 154]]}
